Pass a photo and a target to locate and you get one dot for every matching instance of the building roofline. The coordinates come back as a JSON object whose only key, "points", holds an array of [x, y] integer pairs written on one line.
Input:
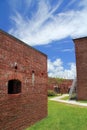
{"points": [[79, 38], [21, 42]]}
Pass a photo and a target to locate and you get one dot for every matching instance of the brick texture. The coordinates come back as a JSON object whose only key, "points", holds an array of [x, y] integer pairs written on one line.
{"points": [[60, 86], [19, 111], [81, 64]]}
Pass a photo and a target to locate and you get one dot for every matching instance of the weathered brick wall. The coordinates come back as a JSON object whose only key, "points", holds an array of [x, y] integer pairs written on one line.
{"points": [[81, 64], [18, 111], [60, 86]]}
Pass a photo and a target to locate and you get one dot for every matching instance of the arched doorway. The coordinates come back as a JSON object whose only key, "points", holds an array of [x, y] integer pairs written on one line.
{"points": [[14, 86]]}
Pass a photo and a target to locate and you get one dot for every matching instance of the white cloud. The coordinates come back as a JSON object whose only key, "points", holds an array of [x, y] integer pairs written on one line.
{"points": [[56, 69], [67, 50], [45, 25]]}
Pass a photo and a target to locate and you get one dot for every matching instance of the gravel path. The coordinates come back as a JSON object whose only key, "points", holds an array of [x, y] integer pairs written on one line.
{"points": [[73, 102]]}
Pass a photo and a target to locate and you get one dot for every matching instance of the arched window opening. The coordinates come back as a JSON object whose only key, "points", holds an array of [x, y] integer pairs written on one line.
{"points": [[14, 86]]}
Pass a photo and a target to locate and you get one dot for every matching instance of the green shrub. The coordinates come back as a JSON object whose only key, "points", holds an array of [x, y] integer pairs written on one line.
{"points": [[51, 93]]}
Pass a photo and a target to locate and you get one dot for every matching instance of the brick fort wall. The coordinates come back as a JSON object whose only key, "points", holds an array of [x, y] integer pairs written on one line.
{"points": [[18, 61], [81, 65]]}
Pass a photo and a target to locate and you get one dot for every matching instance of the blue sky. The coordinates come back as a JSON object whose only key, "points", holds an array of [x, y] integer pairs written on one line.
{"points": [[49, 26]]}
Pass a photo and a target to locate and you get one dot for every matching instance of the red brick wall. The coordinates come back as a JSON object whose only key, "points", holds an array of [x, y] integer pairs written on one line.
{"points": [[18, 111], [63, 85], [81, 64]]}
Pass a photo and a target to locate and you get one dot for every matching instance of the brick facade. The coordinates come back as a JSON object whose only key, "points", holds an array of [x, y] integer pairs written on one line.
{"points": [[81, 64], [18, 61], [61, 86]]}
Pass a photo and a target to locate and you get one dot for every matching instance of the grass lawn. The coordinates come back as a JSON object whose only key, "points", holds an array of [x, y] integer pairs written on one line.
{"points": [[49, 97], [82, 101], [63, 117], [65, 98]]}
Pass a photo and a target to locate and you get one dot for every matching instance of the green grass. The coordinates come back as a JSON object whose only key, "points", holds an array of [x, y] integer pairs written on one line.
{"points": [[65, 98], [49, 97], [63, 117], [82, 101]]}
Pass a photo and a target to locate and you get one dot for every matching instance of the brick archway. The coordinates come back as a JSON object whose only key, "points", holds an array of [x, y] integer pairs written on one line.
{"points": [[15, 75]]}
